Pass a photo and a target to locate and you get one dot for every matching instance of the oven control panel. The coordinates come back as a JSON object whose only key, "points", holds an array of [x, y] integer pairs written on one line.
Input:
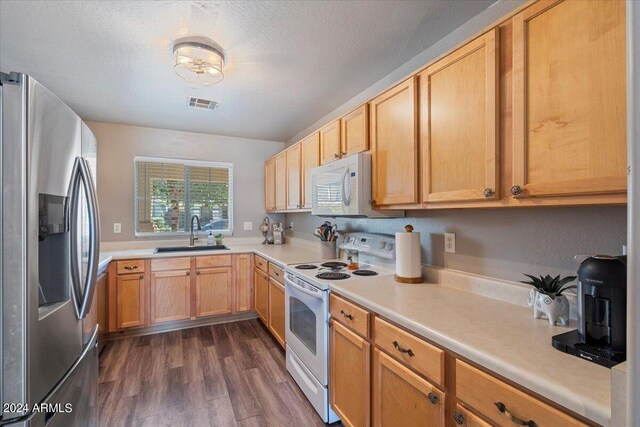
{"points": [[380, 245]]}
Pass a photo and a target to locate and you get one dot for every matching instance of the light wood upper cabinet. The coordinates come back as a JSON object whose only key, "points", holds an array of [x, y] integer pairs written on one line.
{"points": [[459, 123], [170, 296], [214, 291], [270, 184], [294, 166], [394, 145], [276, 310], [261, 290], [349, 367], [243, 283], [310, 160], [281, 181], [330, 142], [355, 131], [131, 300], [402, 398], [569, 99]]}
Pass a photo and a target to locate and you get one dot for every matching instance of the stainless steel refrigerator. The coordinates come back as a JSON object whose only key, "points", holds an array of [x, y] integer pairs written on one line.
{"points": [[49, 260]]}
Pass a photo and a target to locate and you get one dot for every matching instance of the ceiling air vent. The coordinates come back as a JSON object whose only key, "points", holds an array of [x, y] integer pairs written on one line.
{"points": [[202, 103]]}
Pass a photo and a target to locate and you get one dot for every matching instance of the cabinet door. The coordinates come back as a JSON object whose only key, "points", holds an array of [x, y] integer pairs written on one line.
{"points": [[261, 287], [459, 123], [214, 291], [270, 185], [170, 296], [242, 283], [294, 159], [130, 301], [276, 310], [281, 181], [355, 131], [569, 99], [310, 160], [349, 369], [330, 142], [402, 398], [394, 145]]}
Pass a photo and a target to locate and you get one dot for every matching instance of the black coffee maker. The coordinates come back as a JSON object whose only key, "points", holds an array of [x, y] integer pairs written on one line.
{"points": [[601, 336]]}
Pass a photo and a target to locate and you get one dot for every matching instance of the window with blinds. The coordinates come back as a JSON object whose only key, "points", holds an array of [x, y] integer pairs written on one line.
{"points": [[169, 192]]}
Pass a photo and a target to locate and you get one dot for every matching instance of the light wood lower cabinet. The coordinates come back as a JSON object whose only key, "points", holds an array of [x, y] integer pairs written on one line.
{"points": [[261, 291], [214, 288], [170, 293], [131, 301], [402, 398], [243, 280], [276, 310], [350, 376]]}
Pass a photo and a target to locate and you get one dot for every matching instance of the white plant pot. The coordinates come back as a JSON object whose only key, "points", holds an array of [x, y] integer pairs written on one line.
{"points": [[556, 310]]}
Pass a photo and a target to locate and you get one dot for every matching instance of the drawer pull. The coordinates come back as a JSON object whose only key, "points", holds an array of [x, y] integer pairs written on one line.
{"points": [[188, 273], [142, 276], [348, 316], [403, 350], [276, 273], [503, 410], [130, 267], [433, 398], [458, 418]]}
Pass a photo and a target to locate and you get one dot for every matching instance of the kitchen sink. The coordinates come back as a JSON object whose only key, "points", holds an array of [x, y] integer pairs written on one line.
{"points": [[190, 248]]}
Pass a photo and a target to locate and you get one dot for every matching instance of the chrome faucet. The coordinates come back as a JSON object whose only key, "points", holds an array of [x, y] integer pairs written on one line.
{"points": [[193, 237]]}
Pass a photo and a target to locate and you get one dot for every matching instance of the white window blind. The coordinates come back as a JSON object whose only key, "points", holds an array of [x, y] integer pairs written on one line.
{"points": [[169, 192]]}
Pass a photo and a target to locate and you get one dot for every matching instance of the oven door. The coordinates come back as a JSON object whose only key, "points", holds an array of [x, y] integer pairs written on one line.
{"points": [[306, 313]]}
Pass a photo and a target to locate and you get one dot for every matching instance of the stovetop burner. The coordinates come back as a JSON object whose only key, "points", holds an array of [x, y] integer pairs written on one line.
{"points": [[364, 273], [306, 267], [332, 276], [334, 264]]}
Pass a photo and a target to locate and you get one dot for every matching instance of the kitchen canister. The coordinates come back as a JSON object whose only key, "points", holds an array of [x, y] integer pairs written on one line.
{"points": [[328, 249], [408, 257]]}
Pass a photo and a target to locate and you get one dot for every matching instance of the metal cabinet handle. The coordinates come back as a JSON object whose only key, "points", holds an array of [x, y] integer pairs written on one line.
{"points": [[130, 267], [519, 421], [344, 153], [408, 351], [488, 192], [458, 418], [348, 316], [516, 190], [142, 276], [336, 156], [198, 272], [188, 273], [433, 398]]}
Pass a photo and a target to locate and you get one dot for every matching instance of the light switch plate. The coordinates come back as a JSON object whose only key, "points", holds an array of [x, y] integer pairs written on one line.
{"points": [[117, 228], [450, 243], [248, 225]]}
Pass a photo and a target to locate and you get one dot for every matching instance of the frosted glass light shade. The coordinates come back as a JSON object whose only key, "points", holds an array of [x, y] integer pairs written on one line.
{"points": [[198, 62]]}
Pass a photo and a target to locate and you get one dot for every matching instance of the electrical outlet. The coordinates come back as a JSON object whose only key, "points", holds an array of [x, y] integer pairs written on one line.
{"points": [[117, 228], [248, 225], [450, 243], [291, 225]]}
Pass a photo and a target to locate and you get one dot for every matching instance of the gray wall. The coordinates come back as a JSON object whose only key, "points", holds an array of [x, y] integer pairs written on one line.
{"points": [[119, 144], [501, 243]]}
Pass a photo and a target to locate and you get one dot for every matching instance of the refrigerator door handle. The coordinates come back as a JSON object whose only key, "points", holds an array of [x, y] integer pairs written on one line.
{"points": [[82, 176]]}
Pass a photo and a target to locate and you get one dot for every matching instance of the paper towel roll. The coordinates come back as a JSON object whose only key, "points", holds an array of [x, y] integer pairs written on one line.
{"points": [[408, 257]]}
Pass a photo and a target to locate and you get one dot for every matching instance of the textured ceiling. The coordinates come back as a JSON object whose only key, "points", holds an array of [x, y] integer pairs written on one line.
{"points": [[288, 62]]}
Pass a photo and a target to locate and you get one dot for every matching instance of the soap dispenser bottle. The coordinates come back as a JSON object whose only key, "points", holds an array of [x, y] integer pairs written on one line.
{"points": [[210, 239]]}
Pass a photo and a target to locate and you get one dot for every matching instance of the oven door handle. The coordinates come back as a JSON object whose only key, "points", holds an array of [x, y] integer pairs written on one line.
{"points": [[294, 285]]}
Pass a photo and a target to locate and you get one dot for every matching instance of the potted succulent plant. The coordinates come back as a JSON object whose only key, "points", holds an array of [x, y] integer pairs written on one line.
{"points": [[547, 297]]}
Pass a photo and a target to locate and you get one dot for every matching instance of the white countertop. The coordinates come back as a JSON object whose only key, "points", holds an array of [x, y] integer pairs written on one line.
{"points": [[503, 337]]}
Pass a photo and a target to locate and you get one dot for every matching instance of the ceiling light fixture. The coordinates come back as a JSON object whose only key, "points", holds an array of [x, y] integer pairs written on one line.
{"points": [[198, 62]]}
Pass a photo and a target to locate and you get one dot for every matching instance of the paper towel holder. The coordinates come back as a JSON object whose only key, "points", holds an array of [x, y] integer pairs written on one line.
{"points": [[409, 228]]}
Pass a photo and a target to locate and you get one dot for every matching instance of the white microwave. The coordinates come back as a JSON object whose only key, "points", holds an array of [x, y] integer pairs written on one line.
{"points": [[343, 188]]}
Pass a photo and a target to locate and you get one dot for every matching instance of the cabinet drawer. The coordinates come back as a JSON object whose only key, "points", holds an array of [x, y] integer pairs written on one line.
{"points": [[463, 417], [276, 273], [502, 404], [349, 314], [167, 264], [213, 261], [413, 351], [261, 263], [130, 266]]}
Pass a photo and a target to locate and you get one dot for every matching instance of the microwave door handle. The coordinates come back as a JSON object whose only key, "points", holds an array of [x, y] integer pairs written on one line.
{"points": [[72, 215], [294, 285], [94, 237], [346, 198]]}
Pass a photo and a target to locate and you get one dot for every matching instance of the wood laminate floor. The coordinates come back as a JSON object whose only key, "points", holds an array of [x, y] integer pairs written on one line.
{"points": [[230, 374]]}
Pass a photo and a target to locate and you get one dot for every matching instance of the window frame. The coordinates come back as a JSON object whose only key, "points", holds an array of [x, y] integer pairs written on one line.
{"points": [[186, 163]]}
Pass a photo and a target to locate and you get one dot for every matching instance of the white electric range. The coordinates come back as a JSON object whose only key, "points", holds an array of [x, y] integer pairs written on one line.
{"points": [[307, 311]]}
